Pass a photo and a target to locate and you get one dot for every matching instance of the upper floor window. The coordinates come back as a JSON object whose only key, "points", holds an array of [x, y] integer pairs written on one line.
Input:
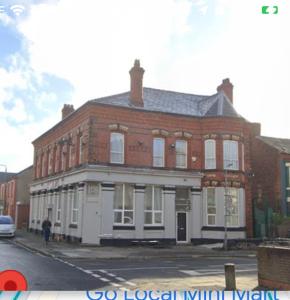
{"points": [[153, 206], [81, 149], [43, 165], [232, 207], [211, 206], [210, 154], [181, 153], [70, 152], [124, 204], [231, 155], [63, 159], [158, 152], [117, 148], [50, 162]]}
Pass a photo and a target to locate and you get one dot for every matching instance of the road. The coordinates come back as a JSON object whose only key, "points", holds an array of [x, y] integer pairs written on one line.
{"points": [[46, 273]]}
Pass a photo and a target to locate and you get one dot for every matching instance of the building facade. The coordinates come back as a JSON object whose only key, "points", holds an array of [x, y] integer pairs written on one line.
{"points": [[271, 165], [4, 191], [146, 165]]}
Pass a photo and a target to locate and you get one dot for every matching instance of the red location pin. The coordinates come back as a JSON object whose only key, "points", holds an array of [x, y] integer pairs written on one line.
{"points": [[11, 280]]}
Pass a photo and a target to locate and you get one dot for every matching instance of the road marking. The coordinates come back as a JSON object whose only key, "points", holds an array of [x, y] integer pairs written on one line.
{"points": [[104, 279], [96, 275], [115, 284], [103, 271], [111, 274], [130, 283], [39, 254], [120, 279], [88, 272], [209, 272], [133, 269]]}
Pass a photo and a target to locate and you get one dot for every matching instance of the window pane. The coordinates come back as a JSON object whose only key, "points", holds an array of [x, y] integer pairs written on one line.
{"points": [[158, 152], [148, 198], [158, 218], [211, 210], [117, 217], [117, 147], [211, 220], [118, 197], [128, 217], [157, 198], [128, 197], [180, 160], [210, 155], [148, 217]]}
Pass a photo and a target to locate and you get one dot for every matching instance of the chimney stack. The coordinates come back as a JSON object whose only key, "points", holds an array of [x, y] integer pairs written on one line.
{"points": [[136, 92], [67, 110], [227, 88]]}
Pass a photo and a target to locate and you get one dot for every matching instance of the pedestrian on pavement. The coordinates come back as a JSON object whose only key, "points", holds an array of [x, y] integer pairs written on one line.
{"points": [[46, 225]]}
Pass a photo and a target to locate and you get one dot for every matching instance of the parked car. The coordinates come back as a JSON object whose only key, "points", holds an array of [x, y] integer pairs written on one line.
{"points": [[7, 226]]}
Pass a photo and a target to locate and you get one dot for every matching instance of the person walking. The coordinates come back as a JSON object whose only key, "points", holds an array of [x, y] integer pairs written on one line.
{"points": [[46, 225]]}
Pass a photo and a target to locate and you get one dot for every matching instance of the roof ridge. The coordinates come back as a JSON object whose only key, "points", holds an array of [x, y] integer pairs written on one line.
{"points": [[175, 92]]}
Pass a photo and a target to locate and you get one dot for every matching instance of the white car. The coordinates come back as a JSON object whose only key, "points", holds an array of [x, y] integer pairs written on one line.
{"points": [[7, 226]]}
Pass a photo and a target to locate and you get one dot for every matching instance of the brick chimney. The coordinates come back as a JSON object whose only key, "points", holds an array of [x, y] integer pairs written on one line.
{"points": [[67, 110], [136, 92], [227, 88]]}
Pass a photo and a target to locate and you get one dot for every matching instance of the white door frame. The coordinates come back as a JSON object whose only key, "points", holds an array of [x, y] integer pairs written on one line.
{"points": [[176, 228]]}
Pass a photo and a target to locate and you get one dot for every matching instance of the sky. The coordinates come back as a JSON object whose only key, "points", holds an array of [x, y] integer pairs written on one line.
{"points": [[66, 51]]}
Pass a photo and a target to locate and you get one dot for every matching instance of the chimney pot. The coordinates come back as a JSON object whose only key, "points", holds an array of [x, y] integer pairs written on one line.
{"points": [[67, 110], [136, 92], [227, 88]]}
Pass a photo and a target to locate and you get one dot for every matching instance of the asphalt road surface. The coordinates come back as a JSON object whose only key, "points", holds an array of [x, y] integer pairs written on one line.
{"points": [[46, 273]]}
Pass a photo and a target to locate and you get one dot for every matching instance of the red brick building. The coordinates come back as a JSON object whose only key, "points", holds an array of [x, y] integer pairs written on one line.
{"points": [[146, 164], [4, 178], [271, 165], [15, 195]]}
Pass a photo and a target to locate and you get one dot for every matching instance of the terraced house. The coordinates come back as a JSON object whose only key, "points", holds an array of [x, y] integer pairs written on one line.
{"points": [[146, 165]]}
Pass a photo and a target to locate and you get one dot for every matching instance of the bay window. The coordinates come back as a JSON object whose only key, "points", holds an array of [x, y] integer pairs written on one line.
{"points": [[210, 154], [231, 155], [211, 206], [232, 207]]}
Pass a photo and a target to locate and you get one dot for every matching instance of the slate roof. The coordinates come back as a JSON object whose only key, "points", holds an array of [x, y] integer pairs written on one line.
{"points": [[5, 176], [282, 145], [176, 103]]}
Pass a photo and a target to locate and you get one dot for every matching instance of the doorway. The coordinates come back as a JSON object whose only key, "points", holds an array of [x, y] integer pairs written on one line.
{"points": [[181, 227]]}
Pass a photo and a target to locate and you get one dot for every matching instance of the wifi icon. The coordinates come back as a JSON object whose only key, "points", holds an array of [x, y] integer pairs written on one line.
{"points": [[17, 9]]}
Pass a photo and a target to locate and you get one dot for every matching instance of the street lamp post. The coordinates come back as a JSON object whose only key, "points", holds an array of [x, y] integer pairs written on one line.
{"points": [[226, 206]]}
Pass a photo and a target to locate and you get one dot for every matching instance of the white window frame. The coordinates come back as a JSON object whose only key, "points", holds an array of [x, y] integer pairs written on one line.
{"points": [[58, 209], [123, 210], [232, 161], [228, 206], [153, 211], [63, 158], [210, 154], [211, 206], [157, 156], [181, 154], [121, 135], [74, 209]]}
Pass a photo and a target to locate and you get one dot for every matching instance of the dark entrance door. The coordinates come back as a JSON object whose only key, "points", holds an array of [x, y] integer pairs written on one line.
{"points": [[181, 227]]}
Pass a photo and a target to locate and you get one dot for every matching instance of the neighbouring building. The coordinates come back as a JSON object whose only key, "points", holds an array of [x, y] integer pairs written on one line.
{"points": [[271, 165], [16, 196], [147, 164], [4, 177]]}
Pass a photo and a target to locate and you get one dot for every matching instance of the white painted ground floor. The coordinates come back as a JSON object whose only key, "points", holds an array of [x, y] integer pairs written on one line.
{"points": [[113, 206]]}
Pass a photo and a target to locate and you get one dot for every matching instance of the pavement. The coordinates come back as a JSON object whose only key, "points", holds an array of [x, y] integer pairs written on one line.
{"points": [[64, 250]]}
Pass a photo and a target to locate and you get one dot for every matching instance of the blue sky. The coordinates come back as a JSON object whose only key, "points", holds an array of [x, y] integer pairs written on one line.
{"points": [[63, 51]]}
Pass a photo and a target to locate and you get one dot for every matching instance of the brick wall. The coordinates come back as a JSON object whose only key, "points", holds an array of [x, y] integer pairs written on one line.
{"points": [[274, 267]]}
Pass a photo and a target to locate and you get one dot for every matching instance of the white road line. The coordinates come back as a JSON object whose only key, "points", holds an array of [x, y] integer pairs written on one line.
{"points": [[103, 271], [120, 279], [209, 272], [115, 284], [130, 283], [39, 254], [104, 279], [133, 269], [88, 272], [96, 275]]}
